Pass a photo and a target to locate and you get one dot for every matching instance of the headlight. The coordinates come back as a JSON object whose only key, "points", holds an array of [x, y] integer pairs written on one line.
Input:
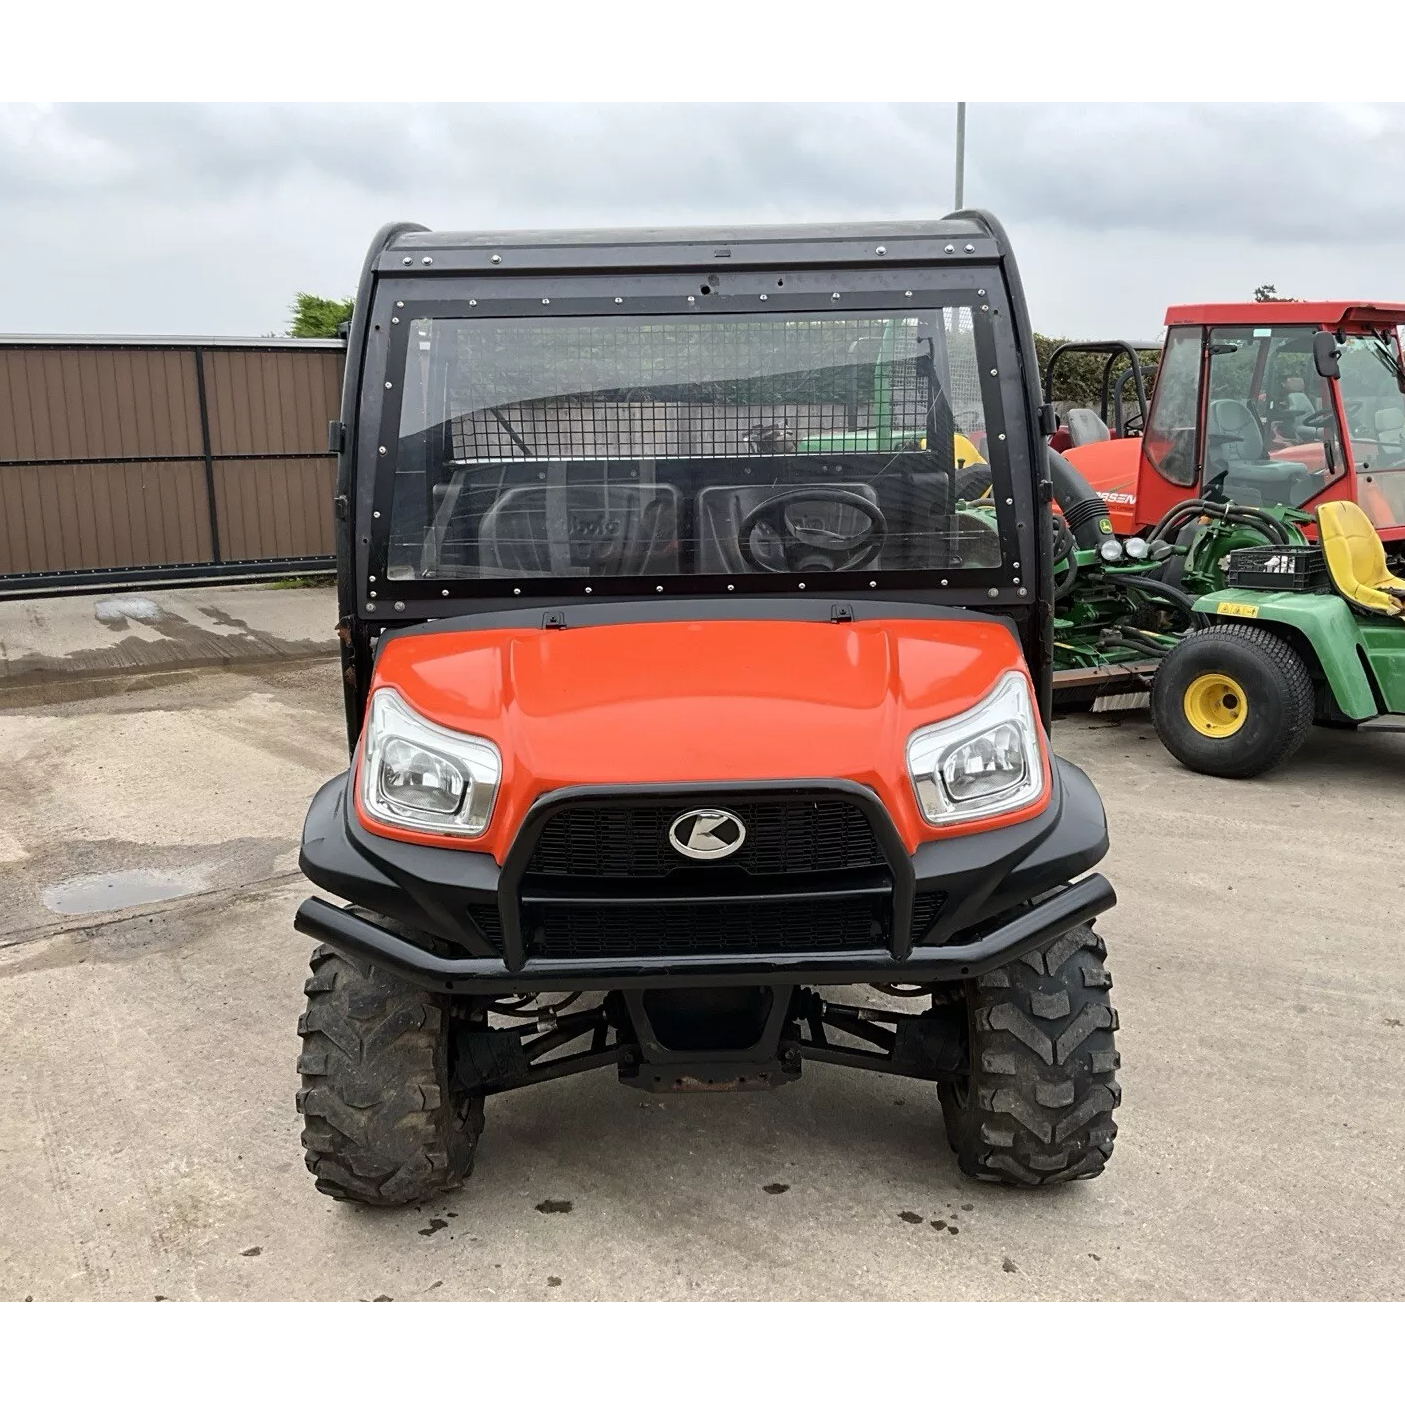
{"points": [[417, 775], [1111, 550], [984, 761], [1136, 548]]}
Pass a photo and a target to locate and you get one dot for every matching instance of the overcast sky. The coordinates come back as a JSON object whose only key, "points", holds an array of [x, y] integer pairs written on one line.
{"points": [[208, 218]]}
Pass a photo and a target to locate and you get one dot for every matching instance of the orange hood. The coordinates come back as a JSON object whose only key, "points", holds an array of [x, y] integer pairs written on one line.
{"points": [[696, 702]]}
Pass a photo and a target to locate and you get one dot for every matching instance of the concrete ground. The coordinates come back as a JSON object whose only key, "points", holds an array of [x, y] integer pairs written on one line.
{"points": [[149, 1146], [125, 637]]}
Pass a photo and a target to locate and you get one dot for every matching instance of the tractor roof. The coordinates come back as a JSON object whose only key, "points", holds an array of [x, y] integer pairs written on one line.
{"points": [[1277, 314], [958, 239]]}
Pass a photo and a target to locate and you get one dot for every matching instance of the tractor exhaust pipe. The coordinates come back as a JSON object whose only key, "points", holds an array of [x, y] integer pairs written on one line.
{"points": [[1083, 510]]}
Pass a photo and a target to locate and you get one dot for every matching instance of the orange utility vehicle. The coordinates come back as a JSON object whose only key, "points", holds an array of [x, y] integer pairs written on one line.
{"points": [[1280, 404], [682, 687]]}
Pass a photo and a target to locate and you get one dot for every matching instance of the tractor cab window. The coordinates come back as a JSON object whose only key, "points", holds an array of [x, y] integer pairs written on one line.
{"points": [[1373, 401], [1169, 442], [728, 446], [1271, 436]]}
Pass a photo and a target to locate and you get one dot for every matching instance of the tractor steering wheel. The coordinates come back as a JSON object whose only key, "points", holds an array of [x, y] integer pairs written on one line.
{"points": [[1317, 419], [810, 547]]}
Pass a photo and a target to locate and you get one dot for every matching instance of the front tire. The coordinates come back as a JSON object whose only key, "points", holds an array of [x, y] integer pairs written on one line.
{"points": [[382, 1122], [1232, 700], [1037, 1107]]}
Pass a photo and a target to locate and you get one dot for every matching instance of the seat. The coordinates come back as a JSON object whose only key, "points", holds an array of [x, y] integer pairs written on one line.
{"points": [[1390, 428], [1356, 560], [569, 527], [1085, 427], [1235, 436], [1237, 464]]}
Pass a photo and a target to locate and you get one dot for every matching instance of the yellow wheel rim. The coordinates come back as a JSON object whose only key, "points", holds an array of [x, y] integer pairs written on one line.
{"points": [[1215, 705]]}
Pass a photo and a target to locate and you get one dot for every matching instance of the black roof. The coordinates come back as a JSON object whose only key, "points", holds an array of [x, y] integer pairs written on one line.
{"points": [[959, 238]]}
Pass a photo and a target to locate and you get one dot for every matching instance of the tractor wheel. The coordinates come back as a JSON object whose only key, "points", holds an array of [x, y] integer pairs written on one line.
{"points": [[973, 482], [1037, 1106], [1232, 700], [382, 1124]]}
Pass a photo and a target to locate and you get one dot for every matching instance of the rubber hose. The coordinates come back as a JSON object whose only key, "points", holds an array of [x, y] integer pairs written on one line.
{"points": [[1133, 635], [1179, 518], [1162, 588], [1236, 513], [1141, 646], [1062, 589], [1083, 510], [1183, 514], [1258, 521], [1164, 522]]}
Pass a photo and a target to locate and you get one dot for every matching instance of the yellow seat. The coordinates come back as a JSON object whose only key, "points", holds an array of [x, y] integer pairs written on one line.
{"points": [[1356, 559]]}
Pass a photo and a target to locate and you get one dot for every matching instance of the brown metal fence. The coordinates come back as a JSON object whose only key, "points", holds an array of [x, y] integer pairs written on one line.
{"points": [[151, 460]]}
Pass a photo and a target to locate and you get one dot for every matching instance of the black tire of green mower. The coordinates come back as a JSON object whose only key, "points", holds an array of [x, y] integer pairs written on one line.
{"points": [[1277, 688], [973, 482], [382, 1124], [1037, 1107]]}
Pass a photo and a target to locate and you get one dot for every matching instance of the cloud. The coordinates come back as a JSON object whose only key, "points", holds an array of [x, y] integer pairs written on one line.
{"points": [[207, 218]]}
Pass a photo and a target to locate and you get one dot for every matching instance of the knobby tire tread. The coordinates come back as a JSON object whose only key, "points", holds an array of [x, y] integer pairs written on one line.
{"points": [[1038, 1106], [381, 1124]]}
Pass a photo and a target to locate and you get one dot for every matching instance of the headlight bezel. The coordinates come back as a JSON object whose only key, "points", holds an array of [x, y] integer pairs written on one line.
{"points": [[390, 718], [1009, 702]]}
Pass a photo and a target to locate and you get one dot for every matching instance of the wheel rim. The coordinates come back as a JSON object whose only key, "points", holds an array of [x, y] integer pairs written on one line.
{"points": [[1215, 705]]}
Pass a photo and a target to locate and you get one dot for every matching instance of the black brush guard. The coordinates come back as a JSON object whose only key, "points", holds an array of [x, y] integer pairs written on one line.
{"points": [[453, 922]]}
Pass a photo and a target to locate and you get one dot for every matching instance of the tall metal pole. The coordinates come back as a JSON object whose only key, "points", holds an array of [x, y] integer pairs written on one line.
{"points": [[960, 155]]}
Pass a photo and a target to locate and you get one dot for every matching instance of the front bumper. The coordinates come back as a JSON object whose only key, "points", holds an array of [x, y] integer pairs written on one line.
{"points": [[451, 920]]}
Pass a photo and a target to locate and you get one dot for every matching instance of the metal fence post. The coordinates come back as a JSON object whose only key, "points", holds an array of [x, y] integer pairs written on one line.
{"points": [[208, 452]]}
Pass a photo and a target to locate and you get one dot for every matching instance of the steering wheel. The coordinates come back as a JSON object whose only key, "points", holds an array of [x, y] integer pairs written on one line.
{"points": [[1318, 418], [812, 548]]}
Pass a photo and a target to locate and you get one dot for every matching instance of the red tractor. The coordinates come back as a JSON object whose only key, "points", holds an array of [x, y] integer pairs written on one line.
{"points": [[1266, 405]]}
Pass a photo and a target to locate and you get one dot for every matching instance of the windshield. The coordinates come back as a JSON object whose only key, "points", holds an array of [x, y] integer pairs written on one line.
{"points": [[728, 446], [1270, 428], [1374, 405]]}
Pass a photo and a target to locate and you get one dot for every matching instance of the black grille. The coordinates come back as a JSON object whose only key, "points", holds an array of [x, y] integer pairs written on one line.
{"points": [[724, 929], [783, 836], [488, 920], [925, 907]]}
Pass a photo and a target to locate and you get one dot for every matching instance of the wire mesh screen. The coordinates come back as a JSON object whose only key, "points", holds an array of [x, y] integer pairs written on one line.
{"points": [[603, 388], [965, 388], [717, 445]]}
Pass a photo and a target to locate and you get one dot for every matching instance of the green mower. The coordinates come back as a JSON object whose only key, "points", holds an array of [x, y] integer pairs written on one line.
{"points": [[1301, 634], [1121, 605]]}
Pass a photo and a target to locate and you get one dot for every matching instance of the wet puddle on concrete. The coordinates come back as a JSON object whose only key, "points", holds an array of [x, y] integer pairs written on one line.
{"points": [[131, 887]]}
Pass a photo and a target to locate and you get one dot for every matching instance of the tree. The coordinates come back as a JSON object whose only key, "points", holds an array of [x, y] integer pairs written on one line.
{"points": [[318, 317], [1266, 292]]}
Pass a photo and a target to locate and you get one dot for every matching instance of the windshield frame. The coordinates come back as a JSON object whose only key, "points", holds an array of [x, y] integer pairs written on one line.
{"points": [[860, 293]]}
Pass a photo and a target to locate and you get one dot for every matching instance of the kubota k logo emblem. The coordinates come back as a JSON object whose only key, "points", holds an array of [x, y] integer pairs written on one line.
{"points": [[707, 834]]}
